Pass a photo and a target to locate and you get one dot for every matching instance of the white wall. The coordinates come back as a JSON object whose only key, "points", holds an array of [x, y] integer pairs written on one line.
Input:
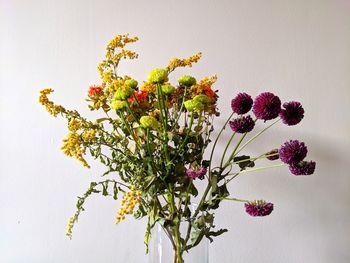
{"points": [[297, 49]]}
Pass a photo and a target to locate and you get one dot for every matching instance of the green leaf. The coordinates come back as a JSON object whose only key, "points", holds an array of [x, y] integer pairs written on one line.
{"points": [[148, 235], [244, 161], [102, 120], [215, 233], [115, 191], [105, 188]]}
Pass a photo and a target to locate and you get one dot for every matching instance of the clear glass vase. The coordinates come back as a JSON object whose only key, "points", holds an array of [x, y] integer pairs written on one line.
{"points": [[161, 250]]}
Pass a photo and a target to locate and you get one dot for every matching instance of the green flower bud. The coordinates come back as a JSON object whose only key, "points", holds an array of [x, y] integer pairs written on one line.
{"points": [[187, 80], [131, 83], [123, 93], [204, 99], [158, 75], [168, 89], [192, 105], [148, 122], [118, 104]]}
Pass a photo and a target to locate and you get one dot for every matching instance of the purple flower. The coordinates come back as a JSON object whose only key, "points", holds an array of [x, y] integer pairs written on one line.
{"points": [[258, 208], [196, 173], [292, 113], [266, 106], [292, 152], [303, 168], [242, 124], [242, 103], [273, 155]]}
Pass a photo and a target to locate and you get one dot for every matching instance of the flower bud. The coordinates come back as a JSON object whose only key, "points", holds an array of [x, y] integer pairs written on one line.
{"points": [[123, 93], [131, 83], [204, 99], [192, 105], [168, 89], [187, 80], [118, 104], [148, 122], [158, 75]]}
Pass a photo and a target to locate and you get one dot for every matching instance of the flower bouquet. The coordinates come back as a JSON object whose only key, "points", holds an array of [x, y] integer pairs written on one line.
{"points": [[152, 139]]}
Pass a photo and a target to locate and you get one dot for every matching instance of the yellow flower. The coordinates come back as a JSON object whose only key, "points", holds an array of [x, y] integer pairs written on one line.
{"points": [[148, 122], [74, 125], [128, 203], [88, 135], [157, 75], [187, 80], [192, 105], [72, 147], [149, 87], [187, 62], [51, 108], [69, 227]]}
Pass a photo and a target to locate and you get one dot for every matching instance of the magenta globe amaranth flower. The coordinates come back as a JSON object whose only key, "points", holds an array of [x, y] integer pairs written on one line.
{"points": [[242, 124], [292, 113], [267, 106], [242, 103], [292, 152], [196, 173], [303, 168], [272, 155], [258, 208]]}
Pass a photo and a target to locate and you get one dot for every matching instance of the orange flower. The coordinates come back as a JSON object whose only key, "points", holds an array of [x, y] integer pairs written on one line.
{"points": [[95, 90], [140, 96], [209, 92]]}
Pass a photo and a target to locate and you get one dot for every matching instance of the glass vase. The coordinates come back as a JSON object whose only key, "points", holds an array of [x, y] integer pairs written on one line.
{"points": [[161, 250]]}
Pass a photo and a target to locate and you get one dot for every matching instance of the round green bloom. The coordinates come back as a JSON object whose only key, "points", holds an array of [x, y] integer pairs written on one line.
{"points": [[148, 122], [158, 75], [192, 105], [118, 104], [132, 83], [187, 80], [168, 89], [123, 93], [204, 99]]}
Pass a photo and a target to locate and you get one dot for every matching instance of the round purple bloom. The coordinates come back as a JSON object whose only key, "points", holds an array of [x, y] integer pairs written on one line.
{"points": [[242, 103], [196, 173], [273, 155], [258, 208], [292, 113], [303, 168], [267, 106], [242, 124], [292, 152]]}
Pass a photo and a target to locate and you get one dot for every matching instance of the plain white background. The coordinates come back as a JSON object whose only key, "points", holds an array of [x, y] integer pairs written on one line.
{"points": [[298, 49]]}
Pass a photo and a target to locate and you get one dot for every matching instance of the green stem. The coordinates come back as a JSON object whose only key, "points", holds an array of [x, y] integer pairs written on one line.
{"points": [[226, 148], [235, 199], [213, 149], [257, 135], [250, 159], [258, 169]]}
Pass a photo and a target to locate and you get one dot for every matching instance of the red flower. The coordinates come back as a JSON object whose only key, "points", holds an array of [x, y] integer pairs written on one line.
{"points": [[140, 96], [209, 92], [95, 90]]}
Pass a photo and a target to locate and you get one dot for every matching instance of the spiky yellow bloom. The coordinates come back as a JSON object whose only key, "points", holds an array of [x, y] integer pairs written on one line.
{"points": [[204, 86], [120, 41], [149, 87], [51, 107], [69, 227], [88, 135], [74, 125], [187, 62], [72, 147], [128, 203]]}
